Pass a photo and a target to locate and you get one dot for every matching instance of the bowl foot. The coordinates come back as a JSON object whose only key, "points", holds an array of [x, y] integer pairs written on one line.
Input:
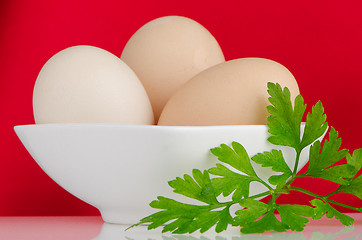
{"points": [[127, 217]]}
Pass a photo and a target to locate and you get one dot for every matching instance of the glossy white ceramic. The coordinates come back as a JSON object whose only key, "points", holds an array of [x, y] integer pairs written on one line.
{"points": [[120, 169]]}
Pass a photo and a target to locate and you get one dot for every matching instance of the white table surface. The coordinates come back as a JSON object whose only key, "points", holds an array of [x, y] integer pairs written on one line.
{"points": [[89, 227]]}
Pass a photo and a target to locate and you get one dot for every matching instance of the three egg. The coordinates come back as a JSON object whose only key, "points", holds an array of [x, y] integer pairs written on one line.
{"points": [[172, 71]]}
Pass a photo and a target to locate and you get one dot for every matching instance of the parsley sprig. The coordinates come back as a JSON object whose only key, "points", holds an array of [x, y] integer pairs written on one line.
{"points": [[235, 173]]}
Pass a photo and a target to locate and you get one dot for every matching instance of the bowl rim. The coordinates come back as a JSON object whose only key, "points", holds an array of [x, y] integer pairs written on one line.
{"points": [[135, 126], [139, 126]]}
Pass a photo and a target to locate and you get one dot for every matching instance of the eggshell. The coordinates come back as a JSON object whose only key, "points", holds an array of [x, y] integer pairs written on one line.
{"points": [[85, 84], [167, 52], [231, 93]]}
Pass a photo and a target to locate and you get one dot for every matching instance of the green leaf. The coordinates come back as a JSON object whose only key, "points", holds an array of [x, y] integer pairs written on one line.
{"points": [[224, 220], [328, 155], [320, 158], [322, 208], [355, 160], [252, 211], [284, 121], [275, 160], [354, 187], [187, 218], [267, 223], [237, 157], [199, 188], [230, 182], [203, 222], [315, 125], [172, 210], [292, 215], [338, 174]]}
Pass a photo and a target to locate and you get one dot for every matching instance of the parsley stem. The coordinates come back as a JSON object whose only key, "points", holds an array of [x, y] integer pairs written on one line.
{"points": [[324, 198], [261, 195], [296, 164], [229, 203], [306, 192], [220, 205], [344, 205], [328, 195]]}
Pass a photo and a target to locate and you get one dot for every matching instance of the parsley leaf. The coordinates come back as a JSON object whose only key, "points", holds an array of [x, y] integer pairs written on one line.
{"points": [[321, 158], [252, 211], [292, 215], [224, 220], [338, 174], [184, 213], [322, 208], [266, 223], [315, 125], [355, 185], [275, 160], [230, 182], [199, 187], [284, 121], [355, 160], [237, 157], [187, 218]]}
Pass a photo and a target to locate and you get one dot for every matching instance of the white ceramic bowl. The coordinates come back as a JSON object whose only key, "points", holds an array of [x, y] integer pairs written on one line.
{"points": [[120, 169]]}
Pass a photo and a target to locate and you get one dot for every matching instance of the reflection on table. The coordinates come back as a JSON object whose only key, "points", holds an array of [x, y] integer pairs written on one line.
{"points": [[324, 229], [54, 228]]}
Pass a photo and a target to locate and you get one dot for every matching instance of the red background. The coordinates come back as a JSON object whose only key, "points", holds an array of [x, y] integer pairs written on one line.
{"points": [[320, 42]]}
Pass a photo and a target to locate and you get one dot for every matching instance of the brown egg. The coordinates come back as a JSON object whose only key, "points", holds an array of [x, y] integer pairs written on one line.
{"points": [[167, 52], [230, 93]]}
